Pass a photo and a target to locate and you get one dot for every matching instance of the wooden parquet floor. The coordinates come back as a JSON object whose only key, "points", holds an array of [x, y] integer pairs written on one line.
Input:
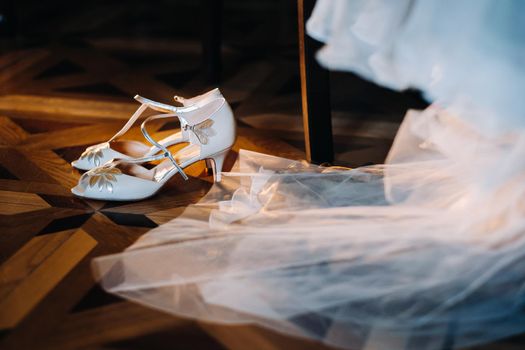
{"points": [[53, 104], [56, 101]]}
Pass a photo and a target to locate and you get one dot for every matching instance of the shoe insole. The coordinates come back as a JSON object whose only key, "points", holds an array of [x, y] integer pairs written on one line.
{"points": [[184, 157], [137, 149]]}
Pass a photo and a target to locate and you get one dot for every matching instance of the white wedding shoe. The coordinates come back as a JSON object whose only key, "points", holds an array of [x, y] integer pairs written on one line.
{"points": [[211, 134], [101, 153]]}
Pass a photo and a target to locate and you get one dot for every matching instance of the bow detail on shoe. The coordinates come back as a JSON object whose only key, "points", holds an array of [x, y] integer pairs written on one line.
{"points": [[203, 131]]}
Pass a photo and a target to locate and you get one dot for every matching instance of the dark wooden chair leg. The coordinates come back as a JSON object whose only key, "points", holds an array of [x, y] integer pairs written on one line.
{"points": [[211, 38], [315, 94]]}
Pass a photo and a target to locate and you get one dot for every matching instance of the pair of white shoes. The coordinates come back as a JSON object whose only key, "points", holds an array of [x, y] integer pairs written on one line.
{"points": [[115, 168]]}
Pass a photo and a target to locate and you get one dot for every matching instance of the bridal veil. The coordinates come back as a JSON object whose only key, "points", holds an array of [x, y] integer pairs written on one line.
{"points": [[427, 248]]}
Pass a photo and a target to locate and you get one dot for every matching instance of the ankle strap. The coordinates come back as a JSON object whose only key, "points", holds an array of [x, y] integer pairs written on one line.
{"points": [[162, 107], [166, 153], [145, 104]]}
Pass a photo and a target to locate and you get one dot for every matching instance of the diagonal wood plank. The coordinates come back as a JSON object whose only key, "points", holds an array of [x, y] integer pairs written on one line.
{"points": [[28, 258], [16, 202], [10, 132], [56, 167], [21, 64], [76, 108], [33, 187], [82, 135], [15, 161], [111, 323], [22, 299], [18, 229]]}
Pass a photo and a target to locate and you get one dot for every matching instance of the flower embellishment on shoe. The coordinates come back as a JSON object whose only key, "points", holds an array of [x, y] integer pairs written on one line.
{"points": [[95, 153], [203, 130], [103, 177]]}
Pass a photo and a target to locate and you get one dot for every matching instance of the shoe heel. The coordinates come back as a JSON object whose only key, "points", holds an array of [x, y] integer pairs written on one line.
{"points": [[216, 162]]}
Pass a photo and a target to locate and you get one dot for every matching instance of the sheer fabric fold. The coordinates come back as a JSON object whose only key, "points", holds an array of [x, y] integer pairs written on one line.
{"points": [[417, 247], [424, 250]]}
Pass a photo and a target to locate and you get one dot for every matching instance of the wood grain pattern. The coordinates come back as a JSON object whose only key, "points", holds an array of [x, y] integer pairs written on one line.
{"points": [[75, 108], [56, 101], [50, 236], [15, 202], [30, 291]]}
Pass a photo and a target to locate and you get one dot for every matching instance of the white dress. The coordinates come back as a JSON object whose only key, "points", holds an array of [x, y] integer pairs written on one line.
{"points": [[426, 250]]}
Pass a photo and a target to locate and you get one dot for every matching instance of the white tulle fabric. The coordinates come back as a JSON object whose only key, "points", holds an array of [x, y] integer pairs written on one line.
{"points": [[426, 251], [466, 55]]}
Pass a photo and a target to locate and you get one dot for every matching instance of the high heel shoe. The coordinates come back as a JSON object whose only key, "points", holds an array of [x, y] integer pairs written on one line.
{"points": [[211, 134], [114, 148]]}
